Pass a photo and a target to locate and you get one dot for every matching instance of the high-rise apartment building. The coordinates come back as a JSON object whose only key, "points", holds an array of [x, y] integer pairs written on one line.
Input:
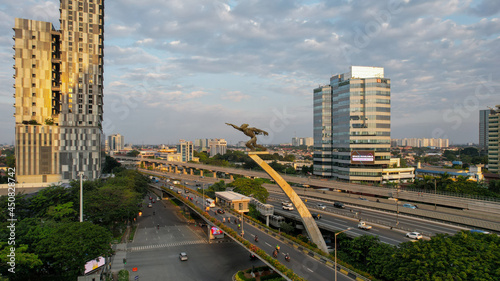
{"points": [[116, 142], [494, 140], [483, 128], [185, 148], [422, 142], [217, 146], [59, 94], [352, 118], [302, 141]]}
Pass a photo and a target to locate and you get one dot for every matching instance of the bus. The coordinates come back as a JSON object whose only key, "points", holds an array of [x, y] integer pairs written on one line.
{"points": [[210, 202]]}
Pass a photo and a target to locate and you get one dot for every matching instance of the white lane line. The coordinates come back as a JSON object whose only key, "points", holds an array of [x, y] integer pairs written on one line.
{"points": [[268, 244], [309, 269]]}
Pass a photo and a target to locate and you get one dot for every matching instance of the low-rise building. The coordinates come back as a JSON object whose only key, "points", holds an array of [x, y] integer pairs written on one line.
{"points": [[233, 200]]}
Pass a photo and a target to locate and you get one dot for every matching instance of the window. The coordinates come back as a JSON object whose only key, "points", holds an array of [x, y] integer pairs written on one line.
{"points": [[33, 94], [33, 56], [33, 103], [33, 114], [33, 85], [33, 75], [90, 111], [33, 37], [33, 46], [33, 65]]}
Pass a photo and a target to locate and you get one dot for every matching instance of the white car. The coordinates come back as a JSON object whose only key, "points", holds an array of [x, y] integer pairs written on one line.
{"points": [[288, 207], [321, 206], [183, 256], [286, 203], [414, 235]]}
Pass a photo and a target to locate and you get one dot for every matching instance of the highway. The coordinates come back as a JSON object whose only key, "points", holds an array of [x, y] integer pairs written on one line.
{"points": [[303, 265]]}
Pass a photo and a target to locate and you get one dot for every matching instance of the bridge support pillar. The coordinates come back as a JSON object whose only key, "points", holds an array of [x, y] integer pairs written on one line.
{"points": [[191, 171], [184, 170], [231, 177], [176, 169], [306, 217], [201, 173], [215, 174]]}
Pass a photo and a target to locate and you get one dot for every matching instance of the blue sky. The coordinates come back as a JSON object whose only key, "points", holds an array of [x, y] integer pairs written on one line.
{"points": [[180, 69]]}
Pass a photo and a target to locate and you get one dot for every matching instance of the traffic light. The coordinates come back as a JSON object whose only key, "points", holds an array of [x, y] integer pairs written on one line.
{"points": [[124, 261]]}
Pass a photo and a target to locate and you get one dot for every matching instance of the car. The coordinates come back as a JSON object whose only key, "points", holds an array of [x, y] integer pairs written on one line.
{"points": [[171, 188], [479, 231], [153, 201], [338, 205], [287, 207], [363, 198], [150, 197], [183, 256], [150, 205], [286, 203], [220, 211], [321, 206], [179, 192], [414, 235], [410, 206], [316, 216], [158, 199]]}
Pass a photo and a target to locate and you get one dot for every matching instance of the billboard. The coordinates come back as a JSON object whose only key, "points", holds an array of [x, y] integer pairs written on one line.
{"points": [[94, 264], [362, 157], [216, 233]]}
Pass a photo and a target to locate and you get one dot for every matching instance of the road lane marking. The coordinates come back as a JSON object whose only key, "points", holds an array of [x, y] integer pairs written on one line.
{"points": [[309, 269], [268, 244]]}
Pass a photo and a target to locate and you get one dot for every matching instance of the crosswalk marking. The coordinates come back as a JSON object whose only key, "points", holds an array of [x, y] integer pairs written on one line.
{"points": [[147, 247]]}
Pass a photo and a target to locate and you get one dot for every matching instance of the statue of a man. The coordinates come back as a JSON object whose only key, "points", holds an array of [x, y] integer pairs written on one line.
{"points": [[252, 133]]}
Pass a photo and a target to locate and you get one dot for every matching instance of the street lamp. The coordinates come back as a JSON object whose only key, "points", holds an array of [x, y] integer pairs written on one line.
{"points": [[81, 196], [336, 250]]}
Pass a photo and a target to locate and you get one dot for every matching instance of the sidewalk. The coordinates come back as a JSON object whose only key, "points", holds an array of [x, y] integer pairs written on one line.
{"points": [[117, 259]]}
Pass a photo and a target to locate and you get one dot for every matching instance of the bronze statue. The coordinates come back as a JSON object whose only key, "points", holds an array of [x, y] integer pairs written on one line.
{"points": [[251, 132]]}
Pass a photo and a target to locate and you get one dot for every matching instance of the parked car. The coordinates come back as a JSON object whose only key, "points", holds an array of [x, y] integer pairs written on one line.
{"points": [[410, 206], [288, 207], [321, 206], [183, 256], [220, 211], [414, 235], [338, 205]]}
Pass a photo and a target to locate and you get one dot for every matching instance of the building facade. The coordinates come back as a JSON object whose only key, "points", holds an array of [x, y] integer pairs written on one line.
{"points": [[354, 143], [483, 128], [185, 148], [59, 95], [302, 141], [116, 142], [217, 146], [493, 140]]}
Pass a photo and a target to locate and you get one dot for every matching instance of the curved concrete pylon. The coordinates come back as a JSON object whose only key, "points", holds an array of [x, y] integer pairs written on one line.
{"points": [[309, 223]]}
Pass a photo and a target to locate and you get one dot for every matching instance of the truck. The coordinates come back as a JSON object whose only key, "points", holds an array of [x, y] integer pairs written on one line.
{"points": [[364, 226]]}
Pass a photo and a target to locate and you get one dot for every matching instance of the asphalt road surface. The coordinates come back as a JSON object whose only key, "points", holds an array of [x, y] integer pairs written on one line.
{"points": [[155, 251]]}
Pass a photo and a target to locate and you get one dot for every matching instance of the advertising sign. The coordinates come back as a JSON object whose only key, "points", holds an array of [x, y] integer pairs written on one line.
{"points": [[216, 233], [362, 157], [94, 264]]}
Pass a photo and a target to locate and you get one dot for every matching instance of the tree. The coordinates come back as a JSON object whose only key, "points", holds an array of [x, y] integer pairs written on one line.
{"points": [[110, 164], [250, 187], [26, 263], [66, 247], [133, 153], [218, 186], [287, 227]]}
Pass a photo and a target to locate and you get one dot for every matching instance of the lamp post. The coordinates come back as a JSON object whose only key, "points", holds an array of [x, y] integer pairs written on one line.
{"points": [[81, 196], [435, 195], [336, 250], [242, 231]]}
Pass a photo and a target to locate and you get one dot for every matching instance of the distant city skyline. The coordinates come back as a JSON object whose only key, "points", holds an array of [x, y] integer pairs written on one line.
{"points": [[180, 70]]}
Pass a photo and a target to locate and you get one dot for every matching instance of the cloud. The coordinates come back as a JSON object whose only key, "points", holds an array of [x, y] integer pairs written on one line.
{"points": [[235, 96]]}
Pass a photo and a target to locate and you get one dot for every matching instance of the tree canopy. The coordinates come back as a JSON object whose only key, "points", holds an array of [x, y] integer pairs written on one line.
{"points": [[250, 187]]}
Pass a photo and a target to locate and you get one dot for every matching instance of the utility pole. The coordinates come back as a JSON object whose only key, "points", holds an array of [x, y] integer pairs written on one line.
{"points": [[81, 196]]}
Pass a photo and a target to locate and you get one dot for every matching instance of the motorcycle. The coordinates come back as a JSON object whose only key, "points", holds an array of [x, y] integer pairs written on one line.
{"points": [[287, 257], [256, 238], [158, 226], [275, 254]]}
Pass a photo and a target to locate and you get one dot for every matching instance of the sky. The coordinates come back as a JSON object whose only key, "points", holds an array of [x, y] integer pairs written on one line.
{"points": [[180, 69]]}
